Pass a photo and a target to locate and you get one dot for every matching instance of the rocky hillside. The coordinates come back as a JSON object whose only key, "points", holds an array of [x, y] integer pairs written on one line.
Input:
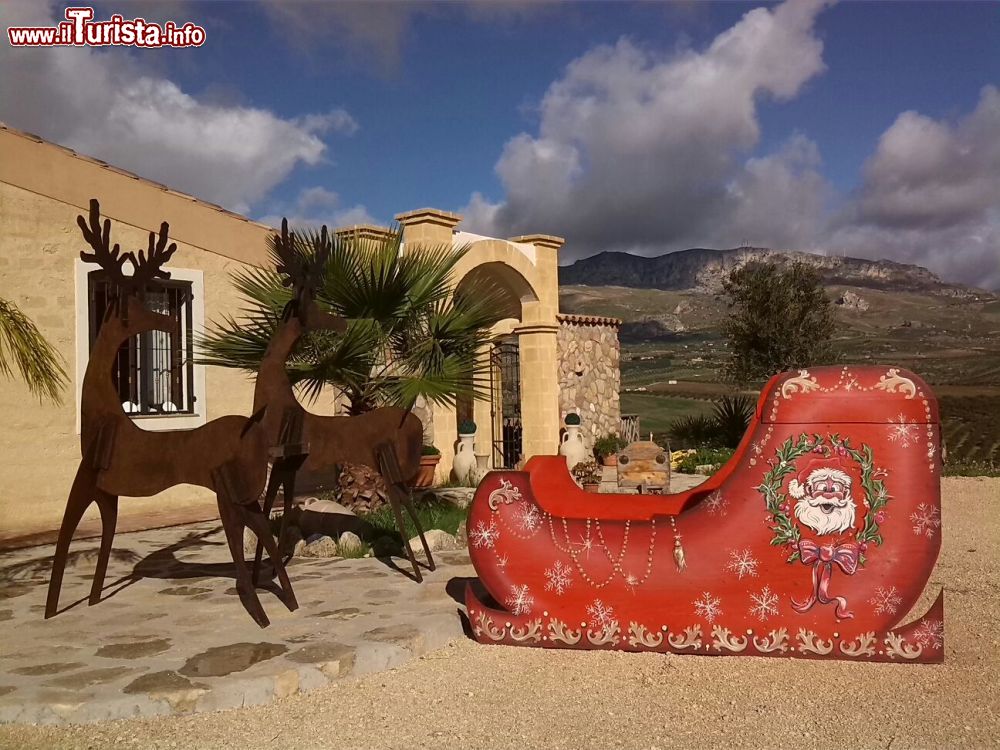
{"points": [[703, 270]]}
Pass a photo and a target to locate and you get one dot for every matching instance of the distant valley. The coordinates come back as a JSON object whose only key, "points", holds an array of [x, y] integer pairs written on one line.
{"points": [[887, 314]]}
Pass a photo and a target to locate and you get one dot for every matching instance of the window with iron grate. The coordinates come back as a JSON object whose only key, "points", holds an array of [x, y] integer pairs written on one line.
{"points": [[154, 371]]}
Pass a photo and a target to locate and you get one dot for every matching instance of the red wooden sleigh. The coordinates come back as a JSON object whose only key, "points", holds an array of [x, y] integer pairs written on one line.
{"points": [[816, 540]]}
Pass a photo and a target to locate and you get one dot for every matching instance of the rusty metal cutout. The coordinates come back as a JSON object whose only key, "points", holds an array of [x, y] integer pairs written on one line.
{"points": [[229, 455], [310, 442]]}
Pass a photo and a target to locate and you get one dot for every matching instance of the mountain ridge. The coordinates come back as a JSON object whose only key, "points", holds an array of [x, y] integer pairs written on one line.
{"points": [[703, 269]]}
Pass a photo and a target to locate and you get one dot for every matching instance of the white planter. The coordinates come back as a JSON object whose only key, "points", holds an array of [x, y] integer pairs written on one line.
{"points": [[572, 446], [465, 458]]}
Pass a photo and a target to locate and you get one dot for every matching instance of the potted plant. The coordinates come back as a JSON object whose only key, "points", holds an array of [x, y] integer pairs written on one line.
{"points": [[606, 448], [429, 457], [588, 474], [465, 457]]}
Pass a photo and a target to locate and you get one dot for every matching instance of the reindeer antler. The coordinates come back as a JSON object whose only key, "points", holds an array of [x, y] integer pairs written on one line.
{"points": [[109, 258], [149, 265], [300, 271]]}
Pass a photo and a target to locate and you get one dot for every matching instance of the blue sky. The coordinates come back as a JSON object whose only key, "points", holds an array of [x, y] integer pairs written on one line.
{"points": [[858, 128]]}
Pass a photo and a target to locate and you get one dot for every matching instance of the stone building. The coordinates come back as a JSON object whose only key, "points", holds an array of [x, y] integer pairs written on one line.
{"points": [[589, 374], [43, 187]]}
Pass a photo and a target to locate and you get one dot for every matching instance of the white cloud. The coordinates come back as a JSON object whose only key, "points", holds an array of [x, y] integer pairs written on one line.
{"points": [[643, 152], [930, 195], [106, 104], [314, 207], [649, 154]]}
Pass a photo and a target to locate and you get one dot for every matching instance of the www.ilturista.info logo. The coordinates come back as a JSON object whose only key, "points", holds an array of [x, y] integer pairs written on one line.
{"points": [[79, 30]]}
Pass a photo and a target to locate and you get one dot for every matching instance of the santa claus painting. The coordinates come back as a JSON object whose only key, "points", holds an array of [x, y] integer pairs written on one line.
{"points": [[825, 504], [823, 494]]}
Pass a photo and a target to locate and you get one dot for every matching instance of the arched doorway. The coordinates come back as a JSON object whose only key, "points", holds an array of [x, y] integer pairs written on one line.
{"points": [[505, 402]]}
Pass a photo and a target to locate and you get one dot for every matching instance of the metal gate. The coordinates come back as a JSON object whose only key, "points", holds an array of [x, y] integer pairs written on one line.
{"points": [[505, 403]]}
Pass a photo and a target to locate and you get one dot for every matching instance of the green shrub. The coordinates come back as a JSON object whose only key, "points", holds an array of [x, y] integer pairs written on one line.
{"points": [[966, 468], [694, 431], [429, 450], [468, 427], [724, 429], [710, 456], [572, 418], [733, 415], [434, 514]]}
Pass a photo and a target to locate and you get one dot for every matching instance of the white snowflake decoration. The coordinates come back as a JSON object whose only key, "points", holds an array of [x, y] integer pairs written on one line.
{"points": [[742, 563], [602, 617], [631, 582], [708, 607], [763, 604], [527, 516], [930, 634], [483, 535], [502, 562], [902, 431], [716, 503], [925, 520], [558, 578], [886, 601], [586, 544], [520, 600]]}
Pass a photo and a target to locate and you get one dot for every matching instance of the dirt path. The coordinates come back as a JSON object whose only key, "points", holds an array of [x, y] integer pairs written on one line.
{"points": [[471, 696]]}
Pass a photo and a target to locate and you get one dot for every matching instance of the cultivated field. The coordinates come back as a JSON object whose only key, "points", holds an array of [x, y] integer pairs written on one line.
{"points": [[952, 342]]}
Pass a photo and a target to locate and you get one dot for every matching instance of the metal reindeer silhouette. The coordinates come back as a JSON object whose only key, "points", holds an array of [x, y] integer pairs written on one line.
{"points": [[387, 439], [227, 455]]}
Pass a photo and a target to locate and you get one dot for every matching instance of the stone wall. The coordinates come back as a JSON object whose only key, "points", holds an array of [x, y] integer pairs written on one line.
{"points": [[589, 374]]}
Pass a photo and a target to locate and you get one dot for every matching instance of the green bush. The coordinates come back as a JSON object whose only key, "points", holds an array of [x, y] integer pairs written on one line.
{"points": [[732, 416], [468, 427], [695, 430], [967, 468], [429, 450], [382, 535], [724, 429], [711, 456], [572, 418]]}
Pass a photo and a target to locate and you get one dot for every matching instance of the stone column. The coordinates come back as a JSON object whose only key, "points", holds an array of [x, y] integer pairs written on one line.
{"points": [[431, 226], [539, 389]]}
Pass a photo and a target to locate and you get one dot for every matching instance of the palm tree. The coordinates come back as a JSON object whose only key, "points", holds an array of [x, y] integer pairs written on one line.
{"points": [[22, 344], [410, 334]]}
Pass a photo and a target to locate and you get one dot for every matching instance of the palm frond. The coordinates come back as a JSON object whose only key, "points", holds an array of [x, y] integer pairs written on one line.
{"points": [[36, 360]]}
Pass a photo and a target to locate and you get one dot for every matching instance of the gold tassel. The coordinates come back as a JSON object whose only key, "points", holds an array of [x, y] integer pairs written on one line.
{"points": [[679, 555]]}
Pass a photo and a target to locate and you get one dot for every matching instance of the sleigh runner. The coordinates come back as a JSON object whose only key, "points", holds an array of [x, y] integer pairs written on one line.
{"points": [[815, 540]]}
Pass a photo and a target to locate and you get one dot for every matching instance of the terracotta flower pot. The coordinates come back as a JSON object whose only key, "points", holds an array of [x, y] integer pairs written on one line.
{"points": [[425, 474], [588, 487], [609, 460]]}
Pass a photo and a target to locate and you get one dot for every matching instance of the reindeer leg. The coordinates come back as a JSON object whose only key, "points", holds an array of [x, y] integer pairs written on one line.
{"points": [[258, 523], [287, 500], [408, 503], [244, 584], [80, 497], [108, 505], [273, 482], [394, 502]]}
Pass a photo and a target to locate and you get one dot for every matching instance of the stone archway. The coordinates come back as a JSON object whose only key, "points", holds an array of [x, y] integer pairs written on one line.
{"points": [[526, 269]]}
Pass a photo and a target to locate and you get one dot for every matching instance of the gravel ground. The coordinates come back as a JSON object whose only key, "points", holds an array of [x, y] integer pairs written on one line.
{"points": [[472, 696]]}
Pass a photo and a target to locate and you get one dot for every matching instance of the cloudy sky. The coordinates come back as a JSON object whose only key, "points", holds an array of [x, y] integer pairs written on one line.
{"points": [[866, 129]]}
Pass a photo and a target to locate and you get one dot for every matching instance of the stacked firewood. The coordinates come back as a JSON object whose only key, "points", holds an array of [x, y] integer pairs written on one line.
{"points": [[360, 488]]}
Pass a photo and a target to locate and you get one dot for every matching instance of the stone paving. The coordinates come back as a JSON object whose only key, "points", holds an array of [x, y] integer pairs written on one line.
{"points": [[171, 635]]}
